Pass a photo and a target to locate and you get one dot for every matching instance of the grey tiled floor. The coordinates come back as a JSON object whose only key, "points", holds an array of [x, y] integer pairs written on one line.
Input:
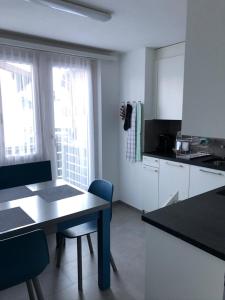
{"points": [[127, 245]]}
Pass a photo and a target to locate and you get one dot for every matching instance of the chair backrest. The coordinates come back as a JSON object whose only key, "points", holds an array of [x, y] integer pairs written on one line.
{"points": [[23, 174], [22, 257], [103, 189]]}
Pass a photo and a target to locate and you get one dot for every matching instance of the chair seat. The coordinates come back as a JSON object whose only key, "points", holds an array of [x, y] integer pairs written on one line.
{"points": [[80, 230]]}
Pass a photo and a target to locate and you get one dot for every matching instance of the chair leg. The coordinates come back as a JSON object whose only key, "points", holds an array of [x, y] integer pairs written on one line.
{"points": [[112, 262], [30, 289], [79, 263], [90, 244], [59, 250], [57, 238], [38, 289]]}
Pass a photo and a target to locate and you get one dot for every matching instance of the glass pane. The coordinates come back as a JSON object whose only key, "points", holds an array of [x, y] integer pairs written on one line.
{"points": [[16, 87], [71, 124]]}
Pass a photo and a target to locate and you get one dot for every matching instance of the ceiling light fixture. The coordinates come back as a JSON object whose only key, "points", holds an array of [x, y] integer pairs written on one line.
{"points": [[75, 8]]}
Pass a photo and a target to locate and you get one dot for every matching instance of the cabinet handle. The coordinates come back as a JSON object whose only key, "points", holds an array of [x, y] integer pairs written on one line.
{"points": [[174, 165], [211, 172], [150, 169]]}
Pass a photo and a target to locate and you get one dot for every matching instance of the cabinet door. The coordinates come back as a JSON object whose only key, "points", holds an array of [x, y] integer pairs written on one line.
{"points": [[150, 187], [173, 177], [204, 87], [170, 78], [203, 180]]}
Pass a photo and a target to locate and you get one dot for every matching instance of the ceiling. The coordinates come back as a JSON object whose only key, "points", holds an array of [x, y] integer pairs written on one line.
{"points": [[135, 23]]}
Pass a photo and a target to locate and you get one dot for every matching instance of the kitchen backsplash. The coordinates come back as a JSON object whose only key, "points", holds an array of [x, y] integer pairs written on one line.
{"points": [[153, 128]]}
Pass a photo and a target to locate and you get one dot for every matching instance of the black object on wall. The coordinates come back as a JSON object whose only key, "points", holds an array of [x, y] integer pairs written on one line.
{"points": [[155, 128], [165, 143], [23, 174]]}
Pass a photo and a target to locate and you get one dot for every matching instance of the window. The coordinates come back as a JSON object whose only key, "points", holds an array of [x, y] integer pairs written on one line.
{"points": [[18, 109], [46, 112], [71, 101]]}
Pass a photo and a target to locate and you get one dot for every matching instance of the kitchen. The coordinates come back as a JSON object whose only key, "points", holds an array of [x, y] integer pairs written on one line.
{"points": [[162, 128], [184, 158], [171, 201]]}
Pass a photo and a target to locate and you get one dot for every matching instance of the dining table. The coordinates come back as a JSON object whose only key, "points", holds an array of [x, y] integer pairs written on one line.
{"points": [[56, 205]]}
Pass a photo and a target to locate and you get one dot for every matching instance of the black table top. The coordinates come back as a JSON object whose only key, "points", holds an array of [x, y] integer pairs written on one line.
{"points": [[199, 221]]}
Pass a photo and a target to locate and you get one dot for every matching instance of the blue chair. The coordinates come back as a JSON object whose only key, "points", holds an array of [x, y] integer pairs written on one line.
{"points": [[22, 259], [104, 190]]}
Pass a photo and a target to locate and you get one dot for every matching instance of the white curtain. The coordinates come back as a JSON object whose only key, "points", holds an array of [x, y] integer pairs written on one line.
{"points": [[73, 116], [46, 112], [20, 133]]}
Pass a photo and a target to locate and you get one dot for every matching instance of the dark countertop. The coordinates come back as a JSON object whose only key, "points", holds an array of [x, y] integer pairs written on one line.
{"points": [[200, 161], [199, 221]]}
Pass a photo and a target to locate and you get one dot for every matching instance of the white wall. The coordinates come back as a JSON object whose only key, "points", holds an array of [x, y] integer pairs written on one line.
{"points": [[108, 75], [136, 74]]}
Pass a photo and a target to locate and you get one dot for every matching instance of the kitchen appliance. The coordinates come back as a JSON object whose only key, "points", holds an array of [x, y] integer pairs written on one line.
{"points": [[192, 155], [165, 143], [182, 146]]}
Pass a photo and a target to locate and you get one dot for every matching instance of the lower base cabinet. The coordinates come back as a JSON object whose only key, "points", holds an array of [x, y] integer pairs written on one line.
{"points": [[203, 180], [173, 177], [176, 270], [150, 188], [163, 179]]}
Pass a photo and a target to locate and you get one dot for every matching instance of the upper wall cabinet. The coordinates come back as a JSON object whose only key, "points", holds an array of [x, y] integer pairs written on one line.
{"points": [[204, 76], [169, 82]]}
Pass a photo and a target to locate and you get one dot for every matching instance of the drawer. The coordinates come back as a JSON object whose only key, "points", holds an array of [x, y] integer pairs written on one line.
{"points": [[203, 180], [173, 164], [173, 178], [151, 161]]}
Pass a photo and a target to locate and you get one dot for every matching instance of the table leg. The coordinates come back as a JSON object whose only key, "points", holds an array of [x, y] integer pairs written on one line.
{"points": [[104, 249]]}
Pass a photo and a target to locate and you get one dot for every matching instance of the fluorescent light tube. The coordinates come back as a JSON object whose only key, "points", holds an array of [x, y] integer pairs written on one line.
{"points": [[77, 9]]}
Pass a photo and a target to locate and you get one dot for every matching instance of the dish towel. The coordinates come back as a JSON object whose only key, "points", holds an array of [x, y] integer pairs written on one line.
{"points": [[138, 130], [127, 123], [131, 138]]}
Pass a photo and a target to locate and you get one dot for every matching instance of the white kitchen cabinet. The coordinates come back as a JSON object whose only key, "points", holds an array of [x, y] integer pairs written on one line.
{"points": [[177, 270], [150, 184], [169, 83], [173, 177], [203, 180], [150, 161], [204, 76]]}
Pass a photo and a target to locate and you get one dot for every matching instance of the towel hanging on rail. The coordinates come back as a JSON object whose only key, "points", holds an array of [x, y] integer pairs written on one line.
{"points": [[127, 123], [131, 137], [138, 130]]}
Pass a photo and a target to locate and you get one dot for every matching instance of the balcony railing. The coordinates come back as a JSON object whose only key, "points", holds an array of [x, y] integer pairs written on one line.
{"points": [[72, 160]]}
